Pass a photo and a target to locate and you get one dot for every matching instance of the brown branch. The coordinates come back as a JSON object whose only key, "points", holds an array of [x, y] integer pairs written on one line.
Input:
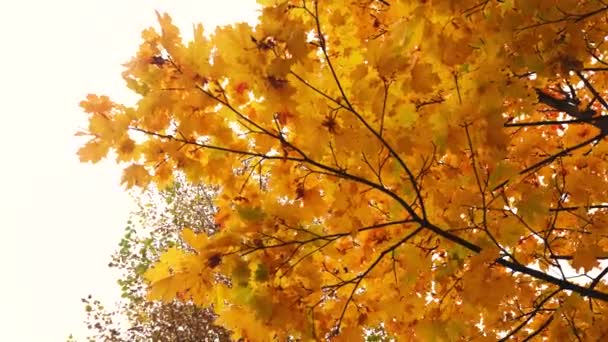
{"points": [[214, 147], [385, 97], [540, 329], [599, 277], [567, 105], [531, 315], [224, 102], [322, 237], [592, 89], [570, 257], [553, 122], [358, 279], [562, 153], [566, 285], [595, 206], [360, 117], [596, 69], [567, 17]]}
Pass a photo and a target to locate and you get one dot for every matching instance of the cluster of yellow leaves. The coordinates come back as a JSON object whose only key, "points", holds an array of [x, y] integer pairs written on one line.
{"points": [[375, 168]]}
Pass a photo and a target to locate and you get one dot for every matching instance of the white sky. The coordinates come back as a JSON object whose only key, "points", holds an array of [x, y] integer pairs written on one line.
{"points": [[61, 220]]}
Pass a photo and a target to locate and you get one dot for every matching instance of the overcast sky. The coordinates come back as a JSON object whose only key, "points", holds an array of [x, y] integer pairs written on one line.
{"points": [[61, 220]]}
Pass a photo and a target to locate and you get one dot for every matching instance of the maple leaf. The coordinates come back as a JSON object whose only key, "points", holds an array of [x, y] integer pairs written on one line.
{"points": [[423, 78], [586, 257], [96, 104], [93, 151], [135, 175]]}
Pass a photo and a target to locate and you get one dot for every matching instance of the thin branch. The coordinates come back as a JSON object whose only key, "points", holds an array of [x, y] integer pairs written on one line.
{"points": [[360, 277], [360, 117], [323, 237], [531, 315], [594, 206], [597, 279], [560, 154], [553, 122], [540, 329], [386, 86], [592, 89]]}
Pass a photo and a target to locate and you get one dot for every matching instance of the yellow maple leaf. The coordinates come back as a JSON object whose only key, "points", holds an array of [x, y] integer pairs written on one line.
{"points": [[196, 241], [585, 257], [424, 79], [97, 104], [93, 151], [135, 175]]}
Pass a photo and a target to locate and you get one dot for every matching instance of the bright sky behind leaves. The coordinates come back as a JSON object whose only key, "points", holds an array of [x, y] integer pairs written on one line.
{"points": [[60, 220]]}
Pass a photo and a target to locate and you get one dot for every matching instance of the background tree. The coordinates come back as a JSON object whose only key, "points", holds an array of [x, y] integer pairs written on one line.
{"points": [[381, 163], [153, 228]]}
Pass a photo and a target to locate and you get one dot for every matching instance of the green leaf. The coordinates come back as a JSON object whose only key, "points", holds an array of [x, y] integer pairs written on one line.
{"points": [[261, 273], [250, 214], [240, 274], [504, 170]]}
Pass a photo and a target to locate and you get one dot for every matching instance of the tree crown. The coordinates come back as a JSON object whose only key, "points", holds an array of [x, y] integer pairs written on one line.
{"points": [[437, 168]]}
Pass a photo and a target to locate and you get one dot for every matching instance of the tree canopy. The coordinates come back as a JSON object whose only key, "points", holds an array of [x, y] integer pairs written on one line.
{"points": [[436, 168], [153, 228]]}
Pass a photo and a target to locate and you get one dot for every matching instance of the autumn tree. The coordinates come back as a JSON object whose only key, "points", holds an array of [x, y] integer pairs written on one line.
{"points": [[437, 168], [154, 227]]}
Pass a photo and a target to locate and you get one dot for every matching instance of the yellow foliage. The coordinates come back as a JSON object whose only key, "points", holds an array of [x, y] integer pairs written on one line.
{"points": [[429, 167]]}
